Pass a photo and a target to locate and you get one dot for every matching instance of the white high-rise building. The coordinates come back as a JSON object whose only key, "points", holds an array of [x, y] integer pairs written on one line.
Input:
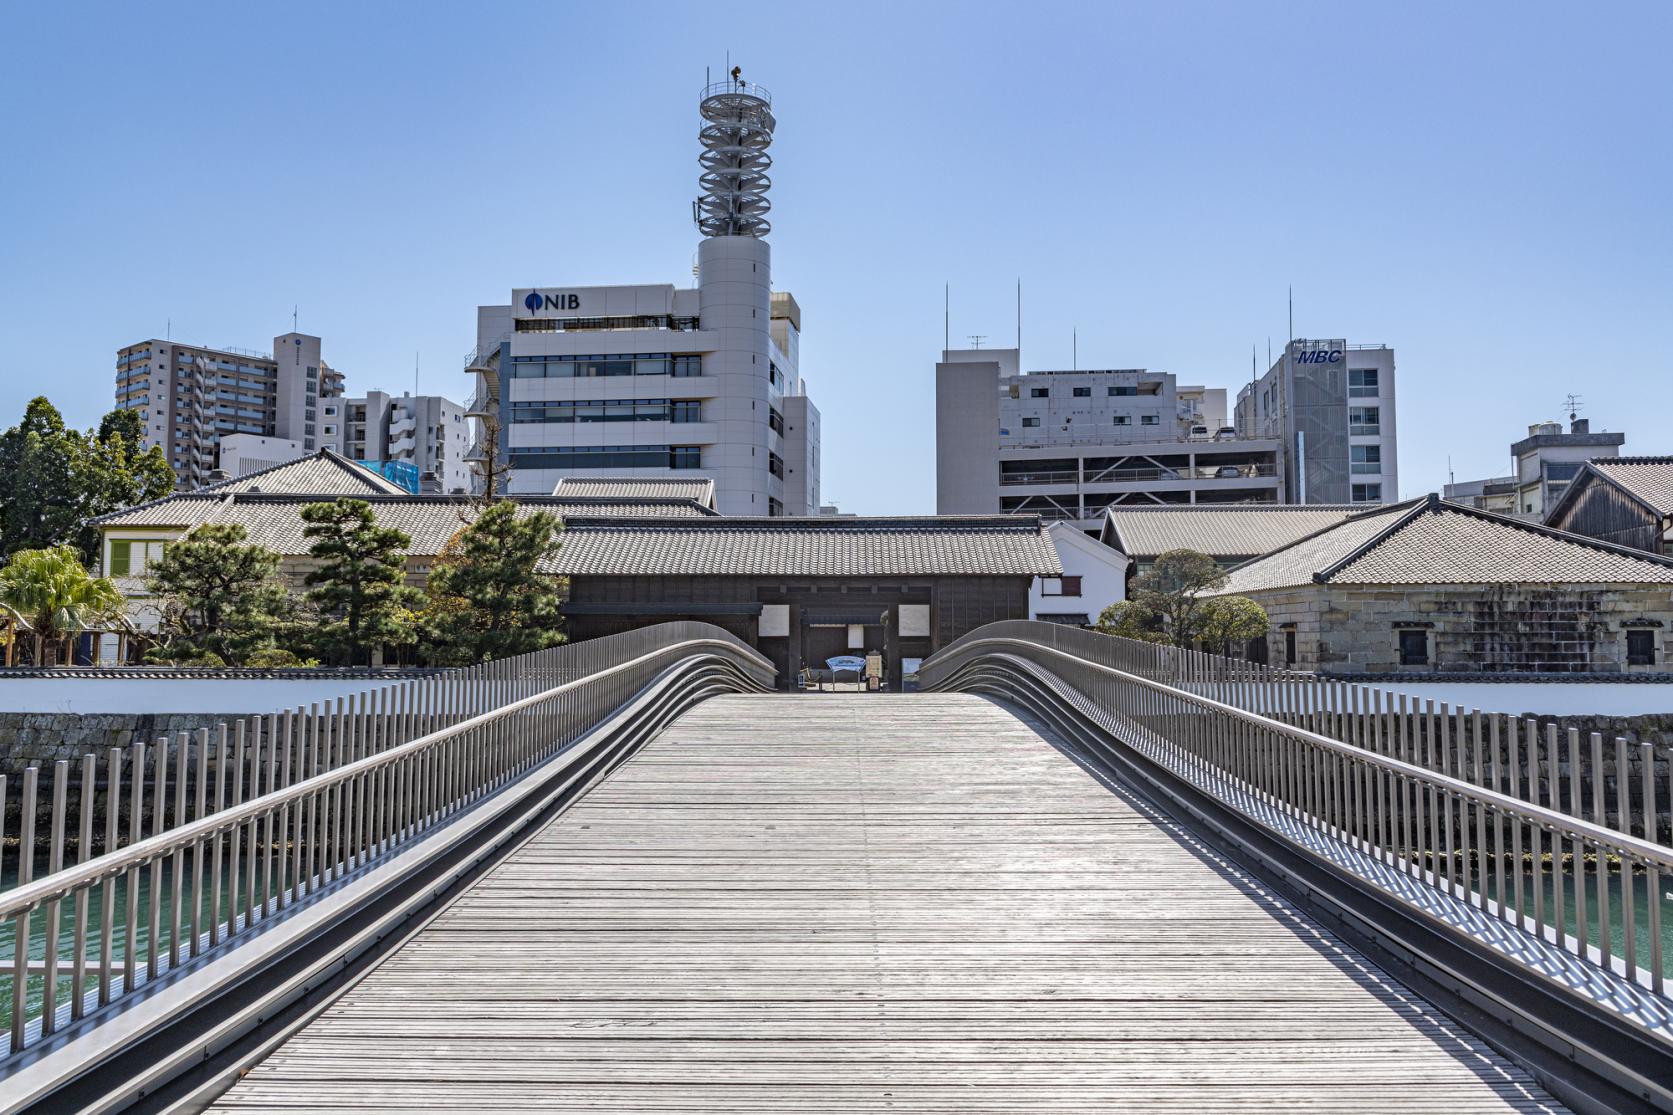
{"points": [[409, 438], [190, 396], [655, 380]]}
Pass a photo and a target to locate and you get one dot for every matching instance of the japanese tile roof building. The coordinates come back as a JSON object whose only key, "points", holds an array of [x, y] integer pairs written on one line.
{"points": [[1230, 534], [697, 489], [1429, 585]]}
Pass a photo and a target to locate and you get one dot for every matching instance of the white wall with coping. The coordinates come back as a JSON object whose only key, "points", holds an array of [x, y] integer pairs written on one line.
{"points": [[168, 695], [1102, 570], [1580, 698]]}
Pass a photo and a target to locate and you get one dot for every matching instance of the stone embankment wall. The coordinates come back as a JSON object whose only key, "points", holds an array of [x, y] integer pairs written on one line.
{"points": [[41, 738]]}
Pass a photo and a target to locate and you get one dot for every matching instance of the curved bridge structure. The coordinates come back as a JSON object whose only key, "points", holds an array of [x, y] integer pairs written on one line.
{"points": [[1076, 874]]}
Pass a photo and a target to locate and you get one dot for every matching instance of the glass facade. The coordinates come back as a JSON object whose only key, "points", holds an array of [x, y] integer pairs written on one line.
{"points": [[607, 410], [620, 364], [607, 456]]}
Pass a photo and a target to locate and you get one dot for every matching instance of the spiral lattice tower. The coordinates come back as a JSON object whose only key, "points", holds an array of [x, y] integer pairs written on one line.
{"points": [[737, 130]]}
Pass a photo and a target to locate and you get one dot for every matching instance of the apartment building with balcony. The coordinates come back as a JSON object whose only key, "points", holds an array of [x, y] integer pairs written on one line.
{"points": [[407, 438], [190, 396], [1330, 407], [1068, 445]]}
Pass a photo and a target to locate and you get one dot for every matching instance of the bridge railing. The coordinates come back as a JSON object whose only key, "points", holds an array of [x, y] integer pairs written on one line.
{"points": [[1616, 782], [331, 790], [1571, 880]]}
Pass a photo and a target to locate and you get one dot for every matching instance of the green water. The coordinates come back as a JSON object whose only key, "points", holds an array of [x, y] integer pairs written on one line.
{"points": [[118, 890]]}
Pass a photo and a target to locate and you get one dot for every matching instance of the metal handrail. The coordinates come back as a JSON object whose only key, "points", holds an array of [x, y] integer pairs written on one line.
{"points": [[59, 885], [1368, 789], [373, 774]]}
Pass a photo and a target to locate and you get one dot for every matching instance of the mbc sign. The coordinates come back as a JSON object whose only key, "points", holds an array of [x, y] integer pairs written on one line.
{"points": [[1319, 356]]}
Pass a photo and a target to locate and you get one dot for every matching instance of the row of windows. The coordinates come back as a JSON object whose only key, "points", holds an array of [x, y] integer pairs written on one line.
{"points": [[1082, 392], [608, 456], [575, 324], [1119, 420], [623, 364], [608, 410]]}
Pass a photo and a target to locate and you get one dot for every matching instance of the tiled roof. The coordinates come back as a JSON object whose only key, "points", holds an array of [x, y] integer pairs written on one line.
{"points": [[275, 521], [701, 489], [1432, 542], [974, 545], [324, 473], [1647, 479], [1234, 531]]}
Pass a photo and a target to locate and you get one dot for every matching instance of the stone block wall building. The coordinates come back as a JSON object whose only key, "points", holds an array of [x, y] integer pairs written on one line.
{"points": [[1433, 587]]}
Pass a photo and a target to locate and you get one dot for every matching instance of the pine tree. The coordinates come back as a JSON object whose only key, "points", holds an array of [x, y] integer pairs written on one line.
{"points": [[358, 586], [216, 595], [488, 598]]}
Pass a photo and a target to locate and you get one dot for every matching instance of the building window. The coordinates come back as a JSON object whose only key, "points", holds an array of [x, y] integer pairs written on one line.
{"points": [[1083, 392], [1039, 392], [1060, 586], [1289, 647], [1124, 390], [1367, 493], [685, 410], [1362, 383], [1123, 420], [307, 443], [775, 421], [131, 557], [1366, 458], [685, 456], [1414, 647], [1641, 647], [1364, 420], [775, 465], [1149, 420], [774, 507], [1030, 421]]}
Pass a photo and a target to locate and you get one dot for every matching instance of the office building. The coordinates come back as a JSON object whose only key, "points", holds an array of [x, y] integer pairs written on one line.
{"points": [[1330, 406], [652, 380], [1544, 463], [411, 439], [190, 396], [1068, 445]]}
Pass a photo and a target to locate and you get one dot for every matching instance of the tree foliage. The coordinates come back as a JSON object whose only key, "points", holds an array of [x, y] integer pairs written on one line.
{"points": [[57, 597], [1227, 620], [487, 598], [358, 586], [1169, 603], [54, 478], [218, 596]]}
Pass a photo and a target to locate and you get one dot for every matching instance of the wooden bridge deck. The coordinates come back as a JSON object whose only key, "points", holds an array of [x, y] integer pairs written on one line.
{"points": [[872, 903]]}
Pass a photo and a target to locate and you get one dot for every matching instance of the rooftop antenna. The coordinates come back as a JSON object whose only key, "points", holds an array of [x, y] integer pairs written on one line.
{"points": [[1574, 404], [1019, 317], [293, 319], [1074, 350], [976, 339], [415, 375], [946, 320], [168, 329]]}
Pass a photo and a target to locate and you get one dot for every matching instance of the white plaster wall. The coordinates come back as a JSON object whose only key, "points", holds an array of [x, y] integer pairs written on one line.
{"points": [[158, 695], [1103, 573]]}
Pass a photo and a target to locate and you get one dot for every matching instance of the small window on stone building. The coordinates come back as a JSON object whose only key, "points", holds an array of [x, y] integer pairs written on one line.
{"points": [[1414, 648], [1641, 647]]}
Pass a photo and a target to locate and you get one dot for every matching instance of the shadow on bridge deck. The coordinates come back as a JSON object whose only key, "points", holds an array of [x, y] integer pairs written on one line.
{"points": [[814, 903]]}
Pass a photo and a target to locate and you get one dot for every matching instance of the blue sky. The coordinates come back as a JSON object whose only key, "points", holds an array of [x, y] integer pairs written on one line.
{"points": [[1485, 187]]}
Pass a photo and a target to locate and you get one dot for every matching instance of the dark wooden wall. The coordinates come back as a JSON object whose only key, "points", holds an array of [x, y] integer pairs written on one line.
{"points": [[1604, 512]]}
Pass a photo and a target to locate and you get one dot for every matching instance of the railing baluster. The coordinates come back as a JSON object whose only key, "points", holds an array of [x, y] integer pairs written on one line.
{"points": [[20, 924]]}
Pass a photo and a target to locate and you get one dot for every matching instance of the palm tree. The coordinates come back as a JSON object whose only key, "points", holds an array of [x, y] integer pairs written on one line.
{"points": [[56, 596]]}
